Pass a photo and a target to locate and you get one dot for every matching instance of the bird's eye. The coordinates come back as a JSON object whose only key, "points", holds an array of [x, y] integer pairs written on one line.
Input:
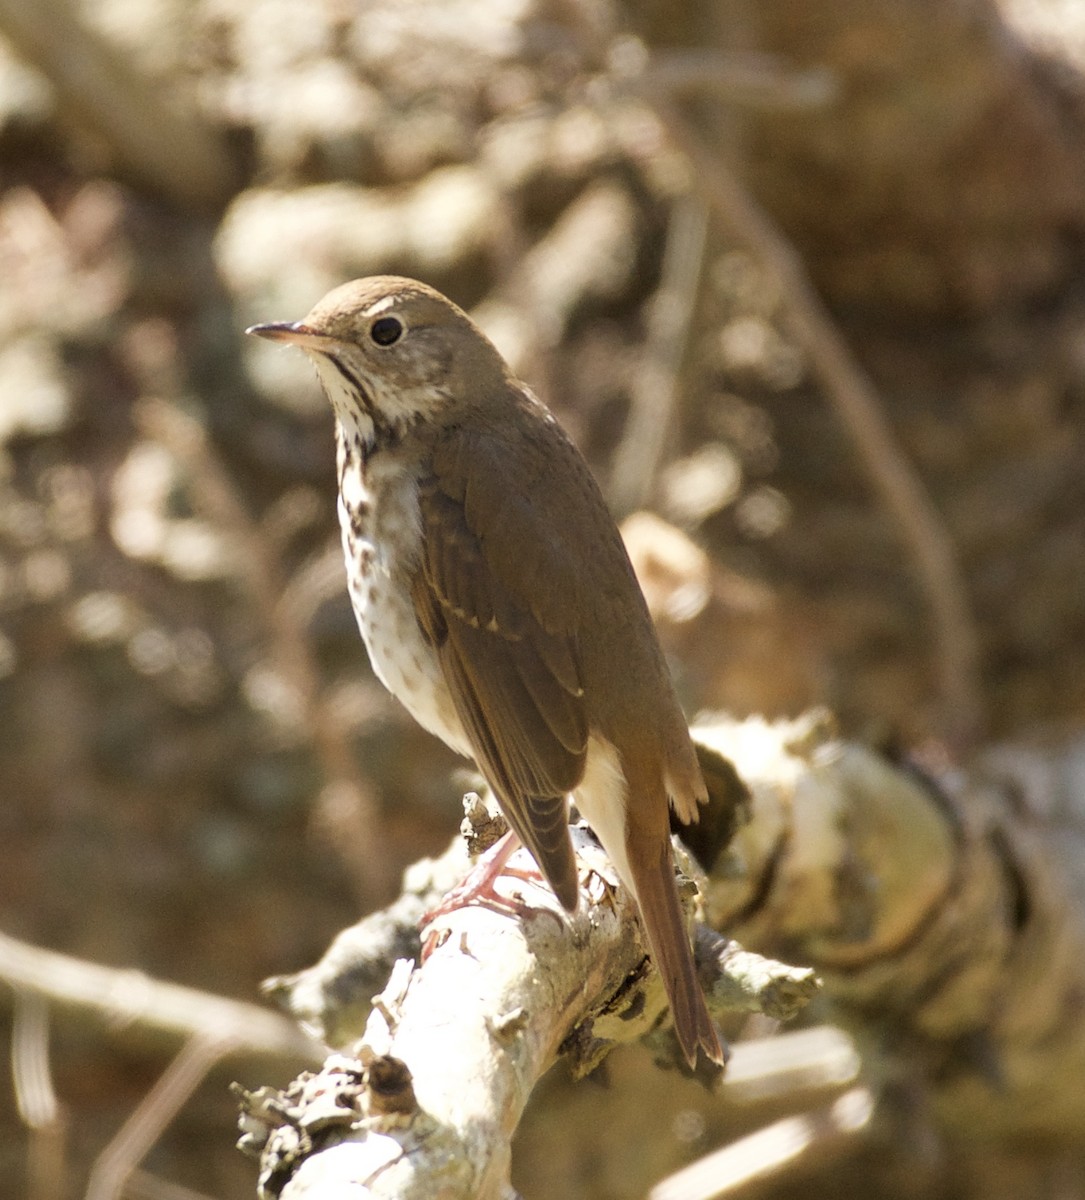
{"points": [[386, 330]]}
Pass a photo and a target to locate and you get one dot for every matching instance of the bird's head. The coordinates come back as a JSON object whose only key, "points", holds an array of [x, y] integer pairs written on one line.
{"points": [[392, 352]]}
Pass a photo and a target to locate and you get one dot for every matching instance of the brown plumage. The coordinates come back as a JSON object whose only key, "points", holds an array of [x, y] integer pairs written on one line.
{"points": [[497, 601]]}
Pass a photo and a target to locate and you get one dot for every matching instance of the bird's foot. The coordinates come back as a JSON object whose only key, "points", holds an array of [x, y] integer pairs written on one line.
{"points": [[479, 885]]}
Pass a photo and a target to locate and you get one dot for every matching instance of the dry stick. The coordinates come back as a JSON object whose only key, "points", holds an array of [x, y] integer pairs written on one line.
{"points": [[36, 1098], [130, 997], [655, 390], [162, 1103], [789, 1066], [214, 1027], [784, 1148], [174, 152], [345, 790], [857, 404], [34, 1094]]}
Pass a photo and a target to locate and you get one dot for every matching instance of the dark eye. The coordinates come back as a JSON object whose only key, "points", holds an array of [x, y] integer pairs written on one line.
{"points": [[386, 330]]}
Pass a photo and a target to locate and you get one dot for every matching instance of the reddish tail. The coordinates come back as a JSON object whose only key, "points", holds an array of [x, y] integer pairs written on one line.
{"points": [[660, 910]]}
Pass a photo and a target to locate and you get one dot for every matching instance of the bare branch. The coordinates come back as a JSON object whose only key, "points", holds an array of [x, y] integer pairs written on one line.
{"points": [[793, 1145], [790, 1066], [36, 1098], [161, 1104], [34, 1093], [130, 997], [943, 902], [333, 997], [655, 390], [467, 1035], [752, 80]]}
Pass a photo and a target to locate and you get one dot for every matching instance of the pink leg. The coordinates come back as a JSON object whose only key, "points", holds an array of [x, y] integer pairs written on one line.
{"points": [[478, 887]]}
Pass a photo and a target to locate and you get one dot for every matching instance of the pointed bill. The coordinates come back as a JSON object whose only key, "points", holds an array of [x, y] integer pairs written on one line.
{"points": [[296, 333]]}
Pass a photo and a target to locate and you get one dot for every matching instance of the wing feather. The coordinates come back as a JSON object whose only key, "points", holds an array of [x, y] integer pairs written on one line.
{"points": [[515, 683]]}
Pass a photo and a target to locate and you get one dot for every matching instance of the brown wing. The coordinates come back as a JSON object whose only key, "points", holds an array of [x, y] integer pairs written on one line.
{"points": [[515, 683]]}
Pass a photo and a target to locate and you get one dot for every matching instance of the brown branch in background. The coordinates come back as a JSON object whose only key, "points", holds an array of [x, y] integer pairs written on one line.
{"points": [[856, 402], [170, 150], [753, 80], [584, 255], [146, 1124], [656, 386], [347, 806], [847, 386], [312, 585]]}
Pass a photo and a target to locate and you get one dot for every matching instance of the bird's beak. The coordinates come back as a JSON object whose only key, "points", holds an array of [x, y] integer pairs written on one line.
{"points": [[297, 333]]}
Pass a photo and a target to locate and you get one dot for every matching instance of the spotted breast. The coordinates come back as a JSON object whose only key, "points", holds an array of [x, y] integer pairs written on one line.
{"points": [[379, 523]]}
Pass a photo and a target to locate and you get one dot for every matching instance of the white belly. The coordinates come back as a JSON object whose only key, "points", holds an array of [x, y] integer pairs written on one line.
{"points": [[602, 798]]}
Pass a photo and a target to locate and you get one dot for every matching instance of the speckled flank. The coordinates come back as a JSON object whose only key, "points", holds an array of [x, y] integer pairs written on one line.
{"points": [[378, 519]]}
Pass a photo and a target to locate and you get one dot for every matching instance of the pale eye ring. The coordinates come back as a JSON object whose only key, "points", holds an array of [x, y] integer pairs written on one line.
{"points": [[386, 330]]}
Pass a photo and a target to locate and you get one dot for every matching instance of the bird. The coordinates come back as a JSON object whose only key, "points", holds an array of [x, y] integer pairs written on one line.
{"points": [[497, 602]]}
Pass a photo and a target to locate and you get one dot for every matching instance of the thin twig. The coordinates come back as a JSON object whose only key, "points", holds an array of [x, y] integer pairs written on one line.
{"points": [[785, 1147], [130, 997], [34, 1094], [856, 402], [35, 1097], [656, 388], [753, 80], [789, 1065], [146, 1124]]}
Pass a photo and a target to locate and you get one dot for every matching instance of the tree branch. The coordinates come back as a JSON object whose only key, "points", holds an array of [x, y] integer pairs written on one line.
{"points": [[130, 997], [940, 907], [466, 1035]]}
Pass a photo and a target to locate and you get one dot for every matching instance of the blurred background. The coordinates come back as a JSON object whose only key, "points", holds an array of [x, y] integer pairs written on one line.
{"points": [[200, 777]]}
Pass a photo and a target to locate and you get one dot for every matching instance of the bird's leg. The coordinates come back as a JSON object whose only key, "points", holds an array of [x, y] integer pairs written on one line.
{"points": [[478, 886]]}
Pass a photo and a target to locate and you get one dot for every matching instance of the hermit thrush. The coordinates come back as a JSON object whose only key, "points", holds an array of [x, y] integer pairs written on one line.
{"points": [[497, 602]]}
